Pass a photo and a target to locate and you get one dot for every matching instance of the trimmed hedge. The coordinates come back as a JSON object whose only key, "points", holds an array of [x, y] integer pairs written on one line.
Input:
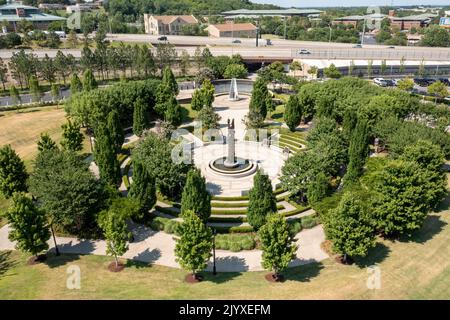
{"points": [[227, 219], [295, 211], [235, 242], [168, 211], [240, 198], [164, 224], [234, 229], [238, 211]]}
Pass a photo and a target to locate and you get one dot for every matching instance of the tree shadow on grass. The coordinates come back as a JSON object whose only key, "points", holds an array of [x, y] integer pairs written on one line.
{"points": [[432, 226], [277, 116], [185, 115], [6, 262], [54, 261], [304, 272], [145, 258], [234, 264], [375, 255]]}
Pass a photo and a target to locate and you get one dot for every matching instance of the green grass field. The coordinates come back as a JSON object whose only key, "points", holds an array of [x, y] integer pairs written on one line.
{"points": [[414, 269]]}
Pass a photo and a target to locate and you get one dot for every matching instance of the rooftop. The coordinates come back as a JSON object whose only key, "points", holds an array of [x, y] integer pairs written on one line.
{"points": [[282, 12], [234, 27], [15, 11], [170, 19]]}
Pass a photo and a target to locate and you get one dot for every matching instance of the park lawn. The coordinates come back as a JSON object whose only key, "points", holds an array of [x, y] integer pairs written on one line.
{"points": [[416, 269], [188, 113], [277, 114], [21, 129]]}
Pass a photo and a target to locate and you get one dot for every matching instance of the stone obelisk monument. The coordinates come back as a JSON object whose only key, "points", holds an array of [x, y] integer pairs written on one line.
{"points": [[230, 161]]}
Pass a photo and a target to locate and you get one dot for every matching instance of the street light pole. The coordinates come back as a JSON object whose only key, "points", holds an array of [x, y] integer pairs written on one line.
{"points": [[214, 252]]}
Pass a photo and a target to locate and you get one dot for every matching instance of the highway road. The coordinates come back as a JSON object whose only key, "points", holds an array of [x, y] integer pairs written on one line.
{"points": [[279, 49]]}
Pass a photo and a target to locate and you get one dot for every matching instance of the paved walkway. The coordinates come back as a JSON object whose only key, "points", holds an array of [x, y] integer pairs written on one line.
{"points": [[158, 248]]}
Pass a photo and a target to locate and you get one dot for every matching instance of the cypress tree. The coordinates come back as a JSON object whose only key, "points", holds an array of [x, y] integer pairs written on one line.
{"points": [[163, 96], [13, 175], [15, 96], [173, 113], [116, 130], [293, 112], [89, 82], [75, 84], [35, 89], [262, 201], [358, 150], [105, 155], [72, 138], [168, 79], [195, 197], [29, 226], [318, 188], [258, 101], [46, 143], [141, 119], [143, 188]]}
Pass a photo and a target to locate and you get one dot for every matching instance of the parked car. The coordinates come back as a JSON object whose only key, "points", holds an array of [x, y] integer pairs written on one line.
{"points": [[269, 42], [389, 82], [422, 82], [236, 41], [380, 81], [445, 81], [304, 51], [162, 38], [60, 34]]}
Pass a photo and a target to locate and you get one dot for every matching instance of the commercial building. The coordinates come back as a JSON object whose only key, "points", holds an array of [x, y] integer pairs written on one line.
{"points": [[235, 30], [14, 12], [254, 14], [403, 23], [167, 25], [393, 67]]}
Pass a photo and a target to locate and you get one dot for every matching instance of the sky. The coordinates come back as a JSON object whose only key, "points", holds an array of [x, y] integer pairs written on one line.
{"points": [[350, 3]]}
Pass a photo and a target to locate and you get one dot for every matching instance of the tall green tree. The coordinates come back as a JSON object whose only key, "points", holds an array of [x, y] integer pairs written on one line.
{"points": [[168, 79], [143, 188], [29, 226], [258, 101], [105, 155], [349, 227], [72, 138], [141, 119], [209, 118], [89, 82], [293, 112], [404, 195], [46, 143], [173, 113], [195, 196], [13, 174], [358, 150], [262, 201], [318, 188], [75, 84], [14, 94], [35, 89], [3, 74], [116, 130], [277, 244], [193, 248], [115, 230], [55, 92], [67, 191]]}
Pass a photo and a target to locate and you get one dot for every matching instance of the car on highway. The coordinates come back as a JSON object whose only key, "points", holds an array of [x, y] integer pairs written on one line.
{"points": [[304, 51], [162, 38], [391, 47], [357, 46], [236, 41]]}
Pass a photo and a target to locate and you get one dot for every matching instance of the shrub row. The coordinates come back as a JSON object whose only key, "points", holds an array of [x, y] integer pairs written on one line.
{"points": [[235, 242], [164, 224], [234, 229], [240, 198], [238, 211]]}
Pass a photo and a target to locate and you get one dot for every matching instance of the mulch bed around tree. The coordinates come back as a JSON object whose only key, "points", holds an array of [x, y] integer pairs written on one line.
{"points": [[340, 259], [190, 278], [272, 278], [113, 268], [36, 259]]}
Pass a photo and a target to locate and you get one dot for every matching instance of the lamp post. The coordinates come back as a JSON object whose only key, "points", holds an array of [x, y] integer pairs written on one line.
{"points": [[214, 251]]}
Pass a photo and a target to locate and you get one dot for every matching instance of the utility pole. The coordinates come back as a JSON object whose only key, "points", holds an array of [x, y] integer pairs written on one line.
{"points": [[364, 31], [257, 32]]}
